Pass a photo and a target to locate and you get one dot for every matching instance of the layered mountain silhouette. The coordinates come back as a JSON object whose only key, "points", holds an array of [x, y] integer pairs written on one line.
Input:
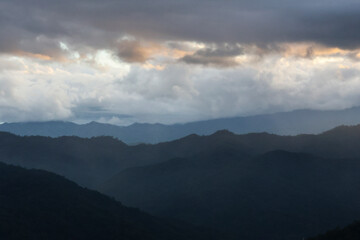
{"points": [[351, 232], [277, 195], [251, 186], [40, 205], [91, 162], [285, 123]]}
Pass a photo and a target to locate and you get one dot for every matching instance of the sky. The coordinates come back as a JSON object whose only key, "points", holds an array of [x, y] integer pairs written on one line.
{"points": [[167, 61]]}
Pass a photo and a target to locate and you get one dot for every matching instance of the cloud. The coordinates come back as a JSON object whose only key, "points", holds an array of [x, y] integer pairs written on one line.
{"points": [[76, 60], [99, 24], [18, 103], [178, 93], [133, 51], [223, 55]]}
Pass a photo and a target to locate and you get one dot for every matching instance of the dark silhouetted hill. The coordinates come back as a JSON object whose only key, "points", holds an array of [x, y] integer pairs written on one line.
{"points": [[39, 205], [273, 196], [285, 123], [351, 232]]}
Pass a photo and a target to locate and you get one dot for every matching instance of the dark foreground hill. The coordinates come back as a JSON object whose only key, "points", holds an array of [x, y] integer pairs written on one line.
{"points": [[274, 196], [350, 232], [284, 123], [39, 205]]}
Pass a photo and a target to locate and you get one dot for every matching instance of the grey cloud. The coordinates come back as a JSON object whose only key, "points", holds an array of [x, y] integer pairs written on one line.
{"points": [[132, 51], [218, 55], [224, 50], [99, 23], [170, 84], [12, 108]]}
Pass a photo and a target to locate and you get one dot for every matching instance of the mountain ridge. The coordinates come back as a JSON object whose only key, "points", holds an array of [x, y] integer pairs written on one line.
{"points": [[282, 123], [90, 161]]}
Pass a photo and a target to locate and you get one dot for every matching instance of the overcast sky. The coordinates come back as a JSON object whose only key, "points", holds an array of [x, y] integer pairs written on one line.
{"points": [[122, 61]]}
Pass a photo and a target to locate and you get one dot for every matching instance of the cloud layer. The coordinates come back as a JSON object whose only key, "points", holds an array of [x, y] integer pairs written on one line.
{"points": [[34, 25], [175, 61]]}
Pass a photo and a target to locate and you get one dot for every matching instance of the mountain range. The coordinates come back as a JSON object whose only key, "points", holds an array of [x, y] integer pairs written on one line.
{"points": [[284, 123], [250, 186], [90, 162], [276, 195]]}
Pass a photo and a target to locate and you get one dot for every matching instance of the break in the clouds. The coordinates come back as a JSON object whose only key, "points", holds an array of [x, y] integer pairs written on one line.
{"points": [[175, 61]]}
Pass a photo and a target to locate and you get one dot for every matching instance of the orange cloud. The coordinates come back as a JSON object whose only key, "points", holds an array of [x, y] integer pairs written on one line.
{"points": [[310, 50], [33, 55], [154, 66]]}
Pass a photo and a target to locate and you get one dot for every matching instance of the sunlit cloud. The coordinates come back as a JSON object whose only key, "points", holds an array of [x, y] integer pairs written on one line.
{"points": [[32, 55]]}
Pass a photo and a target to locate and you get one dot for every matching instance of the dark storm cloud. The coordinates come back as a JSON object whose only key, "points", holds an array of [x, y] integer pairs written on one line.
{"points": [[219, 55], [131, 51], [98, 23]]}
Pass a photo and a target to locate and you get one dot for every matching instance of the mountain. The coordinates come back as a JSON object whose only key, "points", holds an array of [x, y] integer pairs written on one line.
{"points": [[285, 123], [277, 195], [86, 161], [92, 161], [236, 183], [350, 232], [39, 205]]}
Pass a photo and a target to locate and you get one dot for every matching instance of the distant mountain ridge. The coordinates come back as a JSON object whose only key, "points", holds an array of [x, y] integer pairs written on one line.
{"points": [[284, 123]]}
